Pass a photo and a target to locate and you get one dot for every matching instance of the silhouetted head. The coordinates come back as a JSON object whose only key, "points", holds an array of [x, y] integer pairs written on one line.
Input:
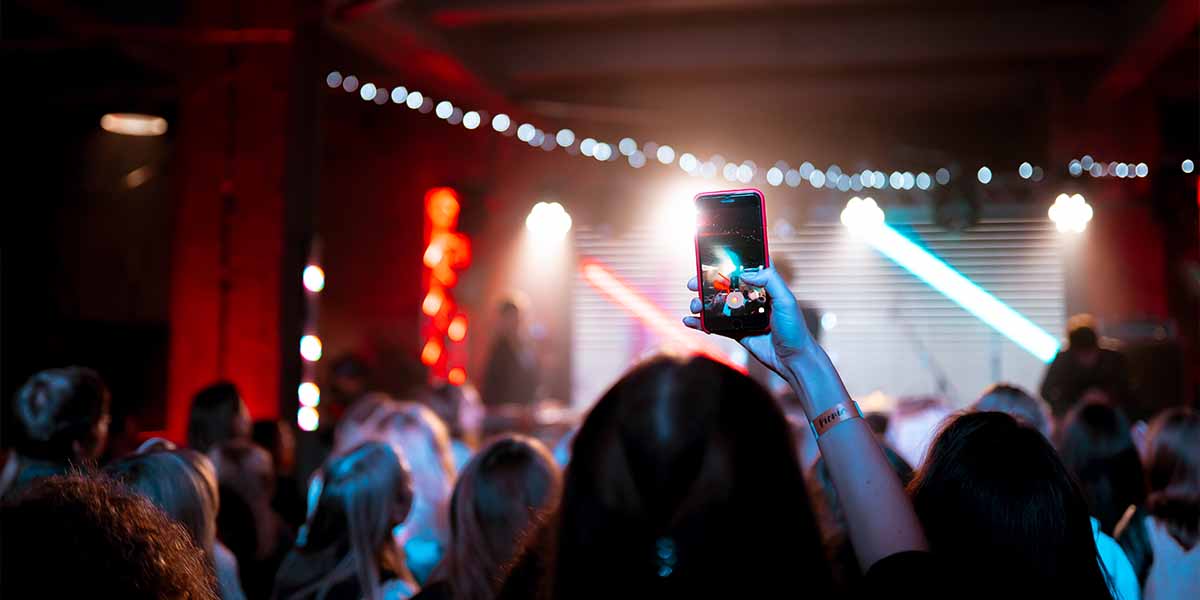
{"points": [[89, 537], [501, 495], [1173, 472], [63, 415], [217, 415], [366, 493], [684, 482], [1018, 403], [1003, 512], [1081, 333], [1096, 447], [277, 438], [180, 482]]}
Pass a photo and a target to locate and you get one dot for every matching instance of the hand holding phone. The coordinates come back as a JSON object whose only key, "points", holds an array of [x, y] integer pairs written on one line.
{"points": [[731, 247]]}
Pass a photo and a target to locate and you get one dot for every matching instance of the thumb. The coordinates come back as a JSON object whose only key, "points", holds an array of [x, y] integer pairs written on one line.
{"points": [[769, 278]]}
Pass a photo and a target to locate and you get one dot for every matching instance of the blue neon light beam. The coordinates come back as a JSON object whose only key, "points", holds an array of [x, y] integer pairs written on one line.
{"points": [[955, 286]]}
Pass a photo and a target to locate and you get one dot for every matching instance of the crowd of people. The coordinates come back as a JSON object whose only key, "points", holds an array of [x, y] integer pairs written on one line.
{"points": [[683, 480]]}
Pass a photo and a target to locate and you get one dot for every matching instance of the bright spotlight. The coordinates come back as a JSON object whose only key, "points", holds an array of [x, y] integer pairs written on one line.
{"points": [[548, 221], [314, 278], [984, 175], [564, 137], [133, 124], [310, 348], [828, 321], [501, 122], [1070, 213], [307, 418], [862, 215], [309, 394]]}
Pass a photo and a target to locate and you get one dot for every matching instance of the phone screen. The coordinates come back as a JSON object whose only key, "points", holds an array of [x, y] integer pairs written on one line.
{"points": [[730, 241]]}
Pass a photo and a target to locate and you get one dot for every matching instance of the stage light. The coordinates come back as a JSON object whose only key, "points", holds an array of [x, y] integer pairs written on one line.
{"points": [[501, 122], [1086, 162], [792, 178], [856, 182], [314, 278], [1188, 166], [350, 83], [133, 124], [965, 293], [432, 304], [688, 162], [399, 94], [548, 221], [309, 394], [806, 170], [1025, 170], [637, 160], [333, 79], [745, 173], [923, 180], [816, 178], [457, 376], [627, 146], [1070, 213], [774, 176], [602, 152], [587, 147], [862, 215], [1075, 168], [310, 348], [526, 132], [729, 172], [308, 419], [942, 176], [471, 120], [457, 330], [984, 175], [828, 321], [564, 137], [432, 352], [367, 91], [1111, 169], [665, 154], [415, 100]]}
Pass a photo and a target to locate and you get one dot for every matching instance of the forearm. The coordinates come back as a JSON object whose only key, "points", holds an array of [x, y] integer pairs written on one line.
{"points": [[879, 515]]}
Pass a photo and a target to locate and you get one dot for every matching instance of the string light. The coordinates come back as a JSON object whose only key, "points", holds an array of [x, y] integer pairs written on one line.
{"points": [[471, 120], [501, 122], [1187, 165]]}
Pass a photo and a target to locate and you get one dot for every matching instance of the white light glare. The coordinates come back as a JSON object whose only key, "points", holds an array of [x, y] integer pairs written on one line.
{"points": [[548, 221], [307, 418], [862, 215], [367, 91], [688, 162], [774, 176], [1188, 166], [666, 155], [1070, 213], [314, 278], [415, 100], [526, 132], [602, 152], [627, 146], [309, 394], [1025, 170], [310, 348]]}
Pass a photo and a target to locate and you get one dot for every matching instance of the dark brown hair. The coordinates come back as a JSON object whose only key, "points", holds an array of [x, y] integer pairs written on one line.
{"points": [[1096, 446]]}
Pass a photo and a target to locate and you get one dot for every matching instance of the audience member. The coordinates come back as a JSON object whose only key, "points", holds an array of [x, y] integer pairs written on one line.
{"points": [[89, 537], [62, 418], [1096, 447], [460, 409], [1172, 504], [999, 506], [500, 497], [511, 375], [1017, 403], [1082, 365], [839, 552], [277, 438], [421, 438], [183, 484], [350, 552], [246, 522], [217, 416]]}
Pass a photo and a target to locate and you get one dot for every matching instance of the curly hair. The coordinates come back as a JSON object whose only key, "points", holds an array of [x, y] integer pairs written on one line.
{"points": [[76, 536]]}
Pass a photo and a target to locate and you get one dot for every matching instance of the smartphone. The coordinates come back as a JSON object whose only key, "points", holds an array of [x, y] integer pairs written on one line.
{"points": [[731, 240]]}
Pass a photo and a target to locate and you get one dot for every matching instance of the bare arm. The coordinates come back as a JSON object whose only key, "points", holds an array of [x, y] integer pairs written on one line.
{"points": [[879, 515]]}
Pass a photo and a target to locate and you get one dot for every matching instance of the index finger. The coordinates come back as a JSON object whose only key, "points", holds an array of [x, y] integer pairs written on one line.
{"points": [[692, 285]]}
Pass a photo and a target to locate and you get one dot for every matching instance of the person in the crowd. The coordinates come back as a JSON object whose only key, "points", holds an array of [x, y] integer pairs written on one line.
{"points": [[423, 441], [1172, 466], [1018, 403], [361, 422], [247, 523], [277, 438], [349, 552], [999, 506], [89, 537], [501, 495], [1096, 447], [217, 416], [1082, 365], [62, 418], [839, 552], [511, 376], [183, 483], [460, 409]]}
